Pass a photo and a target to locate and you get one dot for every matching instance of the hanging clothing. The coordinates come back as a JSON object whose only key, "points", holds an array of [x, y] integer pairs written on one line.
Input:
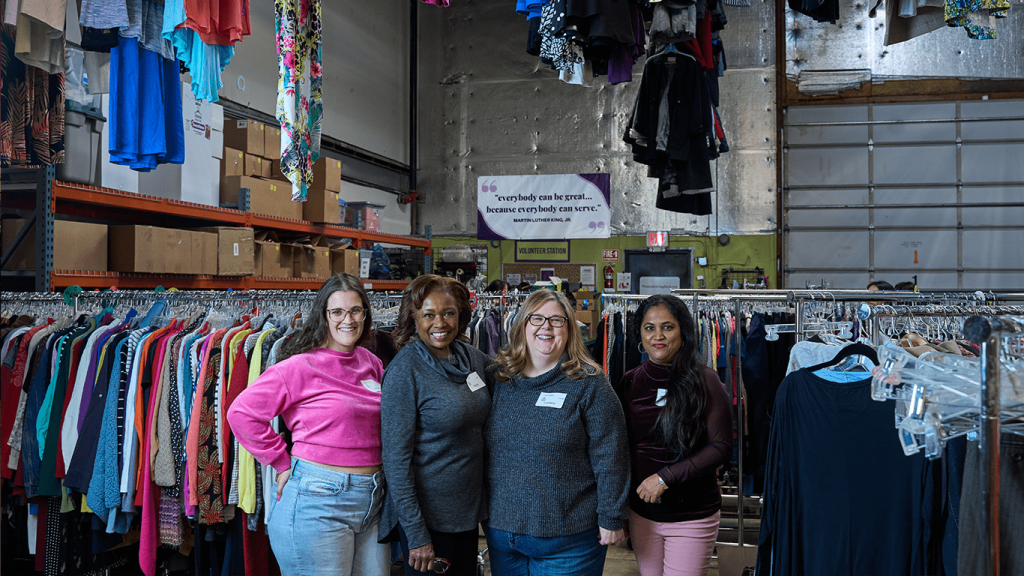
{"points": [[31, 110], [300, 90], [40, 38], [145, 114], [671, 130], [840, 496]]}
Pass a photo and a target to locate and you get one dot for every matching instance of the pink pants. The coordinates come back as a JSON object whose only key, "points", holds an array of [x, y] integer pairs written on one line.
{"points": [[673, 548]]}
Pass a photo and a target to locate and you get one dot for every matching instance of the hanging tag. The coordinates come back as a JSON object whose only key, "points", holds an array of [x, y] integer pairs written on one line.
{"points": [[475, 382], [660, 399], [371, 385], [551, 399]]}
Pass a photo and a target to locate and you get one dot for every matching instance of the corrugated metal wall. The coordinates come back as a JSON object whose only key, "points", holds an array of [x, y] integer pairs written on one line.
{"points": [[887, 191], [489, 108]]}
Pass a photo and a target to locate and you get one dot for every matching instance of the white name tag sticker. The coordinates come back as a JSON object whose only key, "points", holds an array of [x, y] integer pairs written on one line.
{"points": [[551, 399], [475, 382], [660, 400], [371, 385]]}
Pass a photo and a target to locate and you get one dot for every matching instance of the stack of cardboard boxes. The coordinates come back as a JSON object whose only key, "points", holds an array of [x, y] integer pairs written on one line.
{"points": [[252, 160], [221, 251], [250, 149]]}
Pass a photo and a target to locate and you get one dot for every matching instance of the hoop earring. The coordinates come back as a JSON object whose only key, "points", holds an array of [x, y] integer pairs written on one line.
{"points": [[640, 347]]}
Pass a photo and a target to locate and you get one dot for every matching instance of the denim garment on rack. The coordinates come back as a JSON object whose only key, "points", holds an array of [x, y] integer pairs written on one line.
{"points": [[1011, 509]]}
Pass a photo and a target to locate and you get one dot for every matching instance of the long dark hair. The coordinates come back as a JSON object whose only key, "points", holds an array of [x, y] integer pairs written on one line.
{"points": [[681, 423], [412, 300], [314, 331]]}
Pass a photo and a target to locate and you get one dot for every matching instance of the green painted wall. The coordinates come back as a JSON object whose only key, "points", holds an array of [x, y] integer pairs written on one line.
{"points": [[743, 252]]}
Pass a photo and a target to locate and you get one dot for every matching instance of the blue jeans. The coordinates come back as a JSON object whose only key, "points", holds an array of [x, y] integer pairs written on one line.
{"points": [[522, 555], [326, 523]]}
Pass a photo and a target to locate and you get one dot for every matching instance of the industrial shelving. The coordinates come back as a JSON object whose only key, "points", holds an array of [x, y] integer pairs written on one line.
{"points": [[56, 197]]}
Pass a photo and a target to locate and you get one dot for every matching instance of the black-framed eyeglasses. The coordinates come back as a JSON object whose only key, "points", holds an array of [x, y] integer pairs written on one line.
{"points": [[441, 565], [357, 313], [554, 321]]}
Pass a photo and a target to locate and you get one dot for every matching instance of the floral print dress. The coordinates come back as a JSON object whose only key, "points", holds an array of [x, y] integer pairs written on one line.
{"points": [[299, 92]]}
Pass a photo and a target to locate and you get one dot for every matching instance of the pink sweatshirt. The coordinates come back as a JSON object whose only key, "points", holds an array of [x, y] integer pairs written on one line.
{"points": [[330, 401]]}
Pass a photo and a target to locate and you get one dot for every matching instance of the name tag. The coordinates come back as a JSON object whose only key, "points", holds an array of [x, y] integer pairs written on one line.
{"points": [[660, 400], [475, 382], [371, 385], [551, 399]]}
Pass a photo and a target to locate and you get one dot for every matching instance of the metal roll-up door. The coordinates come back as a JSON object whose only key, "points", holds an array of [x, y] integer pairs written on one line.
{"points": [[891, 191]]}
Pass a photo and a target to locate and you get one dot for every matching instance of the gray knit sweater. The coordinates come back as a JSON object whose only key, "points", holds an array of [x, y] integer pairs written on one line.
{"points": [[556, 471], [432, 440]]}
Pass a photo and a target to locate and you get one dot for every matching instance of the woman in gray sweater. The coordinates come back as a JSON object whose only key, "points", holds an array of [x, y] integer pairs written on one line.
{"points": [[557, 468], [434, 402]]}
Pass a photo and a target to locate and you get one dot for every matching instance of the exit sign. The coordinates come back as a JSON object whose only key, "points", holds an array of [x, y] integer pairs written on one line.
{"points": [[610, 255], [657, 239]]}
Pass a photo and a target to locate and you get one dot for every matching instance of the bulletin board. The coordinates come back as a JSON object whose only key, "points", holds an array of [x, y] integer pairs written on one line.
{"points": [[567, 272]]}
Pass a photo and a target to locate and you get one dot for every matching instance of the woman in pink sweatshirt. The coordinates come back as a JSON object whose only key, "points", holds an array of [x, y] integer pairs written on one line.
{"points": [[330, 489]]}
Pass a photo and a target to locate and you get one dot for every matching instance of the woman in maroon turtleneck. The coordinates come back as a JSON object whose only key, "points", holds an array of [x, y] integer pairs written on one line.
{"points": [[680, 432]]}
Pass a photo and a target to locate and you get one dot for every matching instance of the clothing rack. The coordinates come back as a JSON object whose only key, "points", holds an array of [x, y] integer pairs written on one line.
{"points": [[989, 332], [899, 303]]}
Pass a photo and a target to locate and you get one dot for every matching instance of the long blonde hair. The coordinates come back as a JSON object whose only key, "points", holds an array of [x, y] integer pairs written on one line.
{"points": [[512, 361]]}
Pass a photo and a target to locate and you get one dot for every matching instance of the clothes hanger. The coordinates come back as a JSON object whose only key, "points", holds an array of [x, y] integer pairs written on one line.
{"points": [[858, 348]]}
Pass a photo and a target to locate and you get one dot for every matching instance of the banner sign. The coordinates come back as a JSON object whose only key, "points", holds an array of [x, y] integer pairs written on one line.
{"points": [[557, 251], [544, 207]]}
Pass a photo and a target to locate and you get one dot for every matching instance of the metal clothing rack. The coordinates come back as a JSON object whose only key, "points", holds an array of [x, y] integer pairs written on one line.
{"points": [[989, 333]]}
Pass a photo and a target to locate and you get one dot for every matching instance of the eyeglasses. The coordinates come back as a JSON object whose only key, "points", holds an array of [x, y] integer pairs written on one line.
{"points": [[338, 314], [554, 321], [441, 565]]}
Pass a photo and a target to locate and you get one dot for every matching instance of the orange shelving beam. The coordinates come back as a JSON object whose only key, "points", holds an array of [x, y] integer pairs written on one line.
{"points": [[80, 193], [90, 280]]}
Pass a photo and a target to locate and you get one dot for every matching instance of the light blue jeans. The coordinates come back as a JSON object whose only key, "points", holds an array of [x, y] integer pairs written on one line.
{"points": [[326, 523]]}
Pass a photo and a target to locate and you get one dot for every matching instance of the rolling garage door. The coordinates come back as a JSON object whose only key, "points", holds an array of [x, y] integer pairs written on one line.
{"points": [[889, 191]]}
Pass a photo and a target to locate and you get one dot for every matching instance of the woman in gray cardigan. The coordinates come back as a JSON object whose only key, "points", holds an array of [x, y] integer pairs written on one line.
{"points": [[434, 403], [557, 468]]}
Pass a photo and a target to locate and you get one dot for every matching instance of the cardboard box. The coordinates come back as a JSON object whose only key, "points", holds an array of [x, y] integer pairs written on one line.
{"points": [[272, 259], [345, 258], [150, 249], [253, 166], [312, 260], [586, 296], [268, 197], [327, 174], [272, 143], [233, 163], [24, 258], [245, 135], [585, 316], [235, 250], [279, 199], [321, 206], [204, 253], [265, 170], [79, 246]]}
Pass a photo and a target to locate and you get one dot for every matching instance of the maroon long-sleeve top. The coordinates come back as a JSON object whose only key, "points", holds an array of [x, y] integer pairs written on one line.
{"points": [[692, 491]]}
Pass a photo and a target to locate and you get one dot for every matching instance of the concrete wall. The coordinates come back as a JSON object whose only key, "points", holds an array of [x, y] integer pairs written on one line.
{"points": [[489, 108]]}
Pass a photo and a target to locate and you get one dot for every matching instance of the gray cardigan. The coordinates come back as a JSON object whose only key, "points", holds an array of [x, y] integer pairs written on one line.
{"points": [[432, 440], [556, 471]]}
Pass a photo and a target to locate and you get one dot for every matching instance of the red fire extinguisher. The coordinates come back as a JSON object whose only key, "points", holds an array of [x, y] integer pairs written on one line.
{"points": [[609, 272]]}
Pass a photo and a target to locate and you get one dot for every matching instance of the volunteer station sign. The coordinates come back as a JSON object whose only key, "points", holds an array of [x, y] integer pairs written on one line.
{"points": [[544, 207]]}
